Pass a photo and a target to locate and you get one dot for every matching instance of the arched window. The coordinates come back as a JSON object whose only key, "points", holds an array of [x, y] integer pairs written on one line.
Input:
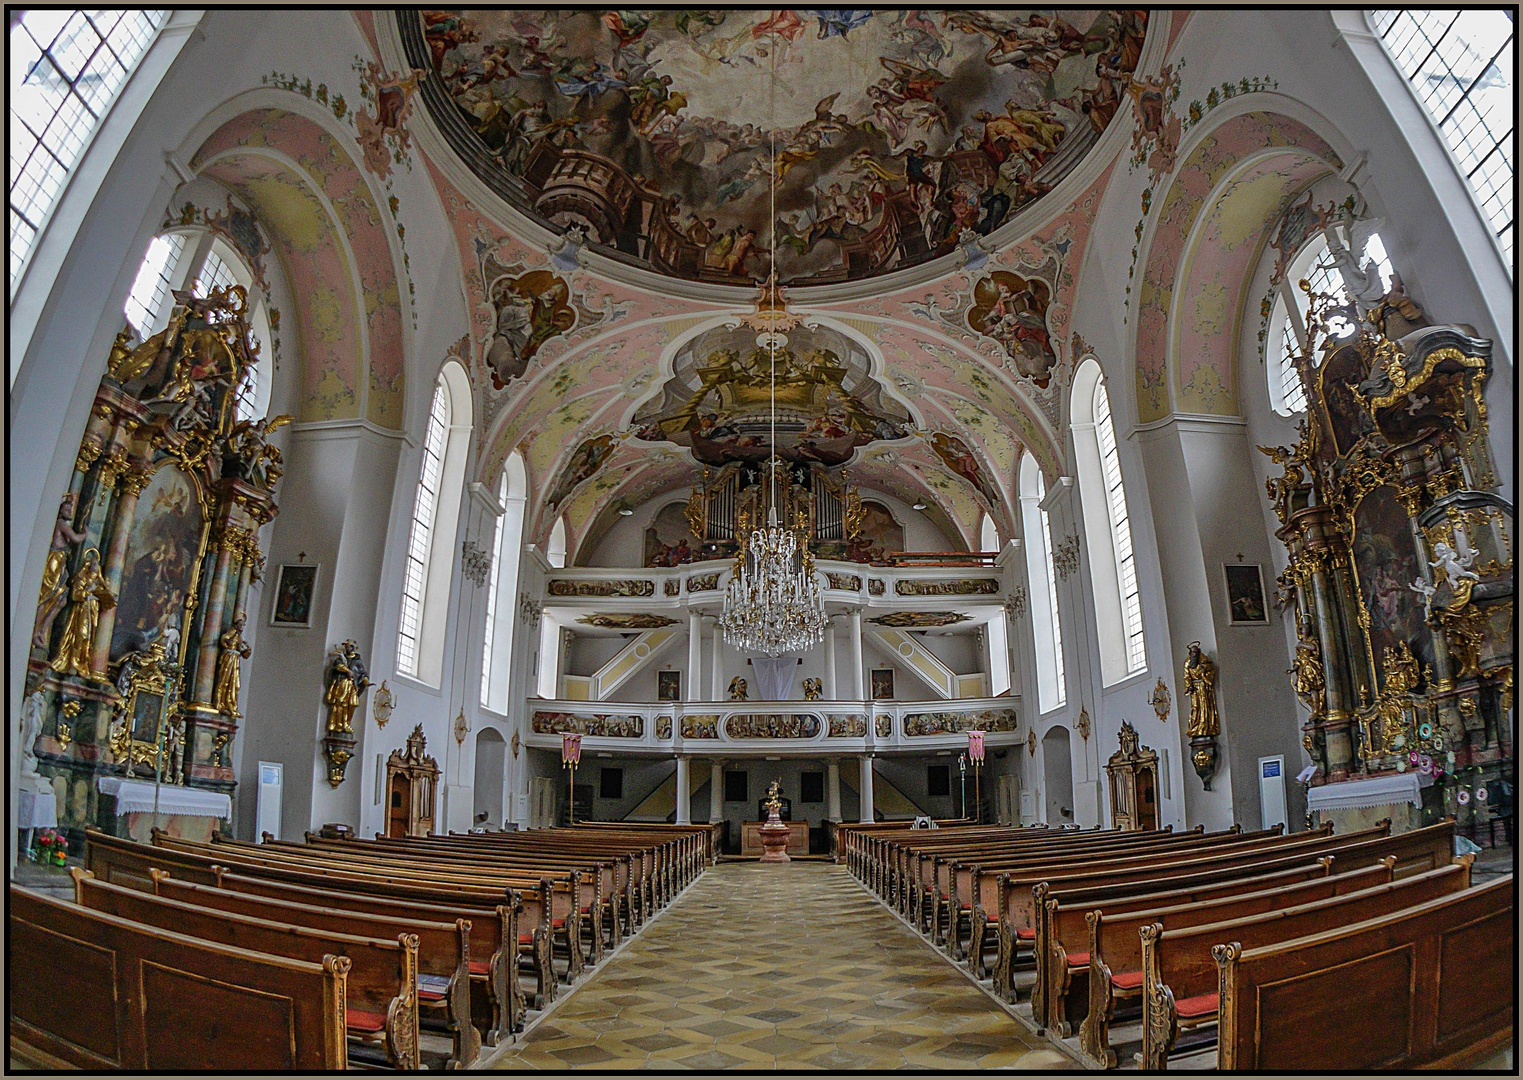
{"points": [[555, 551], [1107, 528], [999, 639], [204, 262], [1042, 577], [1290, 337], [497, 649], [67, 68], [430, 561], [1460, 65]]}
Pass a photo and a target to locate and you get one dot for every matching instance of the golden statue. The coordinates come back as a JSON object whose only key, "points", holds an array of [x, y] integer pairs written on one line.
{"points": [[234, 649], [774, 801], [348, 679], [1200, 688], [813, 690], [88, 594], [737, 689], [1309, 680]]}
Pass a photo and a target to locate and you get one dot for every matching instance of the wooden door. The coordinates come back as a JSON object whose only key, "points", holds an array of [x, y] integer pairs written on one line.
{"points": [[1147, 799], [399, 811]]}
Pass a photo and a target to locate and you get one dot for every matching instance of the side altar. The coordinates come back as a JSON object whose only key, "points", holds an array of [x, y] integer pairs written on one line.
{"points": [[1400, 568], [137, 647]]}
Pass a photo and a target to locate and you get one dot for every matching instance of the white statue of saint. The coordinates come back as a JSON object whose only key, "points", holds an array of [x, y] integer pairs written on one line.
{"points": [[1455, 567], [33, 713]]}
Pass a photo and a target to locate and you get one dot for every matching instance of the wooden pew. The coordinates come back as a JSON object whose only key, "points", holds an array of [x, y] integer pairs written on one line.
{"points": [[93, 991], [381, 987], [494, 925], [1022, 898], [545, 906], [1113, 963], [1180, 984], [1432, 986], [444, 981]]}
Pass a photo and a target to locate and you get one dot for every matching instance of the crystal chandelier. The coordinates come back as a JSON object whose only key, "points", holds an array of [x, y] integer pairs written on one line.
{"points": [[773, 604]]}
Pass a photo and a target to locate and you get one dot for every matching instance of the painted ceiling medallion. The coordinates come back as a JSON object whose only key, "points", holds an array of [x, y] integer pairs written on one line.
{"points": [[895, 136]]}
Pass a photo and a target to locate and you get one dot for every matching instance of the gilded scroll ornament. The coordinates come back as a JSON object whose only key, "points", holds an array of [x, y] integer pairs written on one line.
{"points": [[382, 704], [88, 594], [1161, 701]]}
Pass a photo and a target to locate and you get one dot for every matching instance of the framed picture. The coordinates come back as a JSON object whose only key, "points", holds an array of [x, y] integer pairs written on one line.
{"points": [[668, 686], [1245, 594], [883, 684], [295, 587]]}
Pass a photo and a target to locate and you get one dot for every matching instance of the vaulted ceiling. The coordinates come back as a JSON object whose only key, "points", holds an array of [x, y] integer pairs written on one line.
{"points": [[934, 340]]}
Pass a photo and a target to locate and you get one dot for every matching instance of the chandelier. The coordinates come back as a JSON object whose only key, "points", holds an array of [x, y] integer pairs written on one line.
{"points": [[773, 604]]}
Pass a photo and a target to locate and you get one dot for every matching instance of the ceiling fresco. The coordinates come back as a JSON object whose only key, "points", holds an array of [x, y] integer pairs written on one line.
{"points": [[657, 132]]}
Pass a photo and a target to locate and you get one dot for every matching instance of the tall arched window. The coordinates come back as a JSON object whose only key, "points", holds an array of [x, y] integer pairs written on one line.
{"points": [[1460, 65], [1107, 529], [1046, 626], [999, 640], [497, 649], [555, 551], [67, 68], [430, 560], [1289, 336], [202, 261]]}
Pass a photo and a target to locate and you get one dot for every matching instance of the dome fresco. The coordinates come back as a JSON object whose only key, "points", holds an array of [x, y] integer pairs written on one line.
{"points": [[894, 135]]}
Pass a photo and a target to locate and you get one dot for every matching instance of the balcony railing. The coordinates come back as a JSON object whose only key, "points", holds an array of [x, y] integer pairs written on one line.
{"points": [[976, 579], [798, 728]]}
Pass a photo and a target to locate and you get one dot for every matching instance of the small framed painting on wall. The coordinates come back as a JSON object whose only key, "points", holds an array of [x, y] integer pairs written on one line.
{"points": [[1245, 594], [295, 587], [883, 684], [668, 686]]}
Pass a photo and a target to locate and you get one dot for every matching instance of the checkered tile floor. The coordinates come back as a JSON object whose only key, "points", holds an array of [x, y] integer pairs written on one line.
{"points": [[778, 967]]}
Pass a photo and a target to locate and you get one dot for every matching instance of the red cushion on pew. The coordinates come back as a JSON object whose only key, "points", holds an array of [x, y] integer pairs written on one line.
{"points": [[364, 1021], [556, 924], [526, 939], [1078, 959], [1127, 980], [429, 995], [1199, 1005], [586, 911], [484, 967], [1026, 934]]}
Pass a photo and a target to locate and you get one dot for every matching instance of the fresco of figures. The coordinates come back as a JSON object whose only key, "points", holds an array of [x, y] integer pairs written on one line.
{"points": [[891, 134]]}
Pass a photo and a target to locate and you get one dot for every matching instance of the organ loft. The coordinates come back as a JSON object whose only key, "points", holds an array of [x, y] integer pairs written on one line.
{"points": [[722, 499]]}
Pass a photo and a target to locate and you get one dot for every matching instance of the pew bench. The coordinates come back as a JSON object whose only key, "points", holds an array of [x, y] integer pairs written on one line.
{"points": [[1432, 986], [94, 991]]}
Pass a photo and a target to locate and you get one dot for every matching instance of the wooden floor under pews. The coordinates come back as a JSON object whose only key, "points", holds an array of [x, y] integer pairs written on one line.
{"points": [[1244, 951]]}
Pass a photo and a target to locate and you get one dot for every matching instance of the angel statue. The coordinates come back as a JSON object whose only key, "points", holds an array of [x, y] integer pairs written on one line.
{"points": [[1361, 280], [1455, 567], [1426, 591], [347, 680], [737, 689], [813, 690], [1200, 688]]}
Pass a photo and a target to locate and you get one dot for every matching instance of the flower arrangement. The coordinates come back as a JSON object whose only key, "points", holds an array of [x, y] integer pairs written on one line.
{"points": [[51, 848]]}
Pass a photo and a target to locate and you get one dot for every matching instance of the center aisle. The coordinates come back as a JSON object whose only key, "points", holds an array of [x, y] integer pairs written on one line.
{"points": [[763, 967]]}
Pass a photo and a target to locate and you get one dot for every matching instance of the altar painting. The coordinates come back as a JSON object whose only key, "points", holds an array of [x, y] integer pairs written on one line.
{"points": [[162, 551], [1386, 563]]}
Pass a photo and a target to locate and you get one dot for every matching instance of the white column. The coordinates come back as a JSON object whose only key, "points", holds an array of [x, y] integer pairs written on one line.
{"points": [[865, 788], [716, 791], [833, 789], [693, 688], [830, 661], [716, 676], [858, 690], [684, 795]]}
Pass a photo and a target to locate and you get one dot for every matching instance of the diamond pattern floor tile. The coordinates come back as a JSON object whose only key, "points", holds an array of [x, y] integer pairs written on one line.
{"points": [[777, 967]]}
